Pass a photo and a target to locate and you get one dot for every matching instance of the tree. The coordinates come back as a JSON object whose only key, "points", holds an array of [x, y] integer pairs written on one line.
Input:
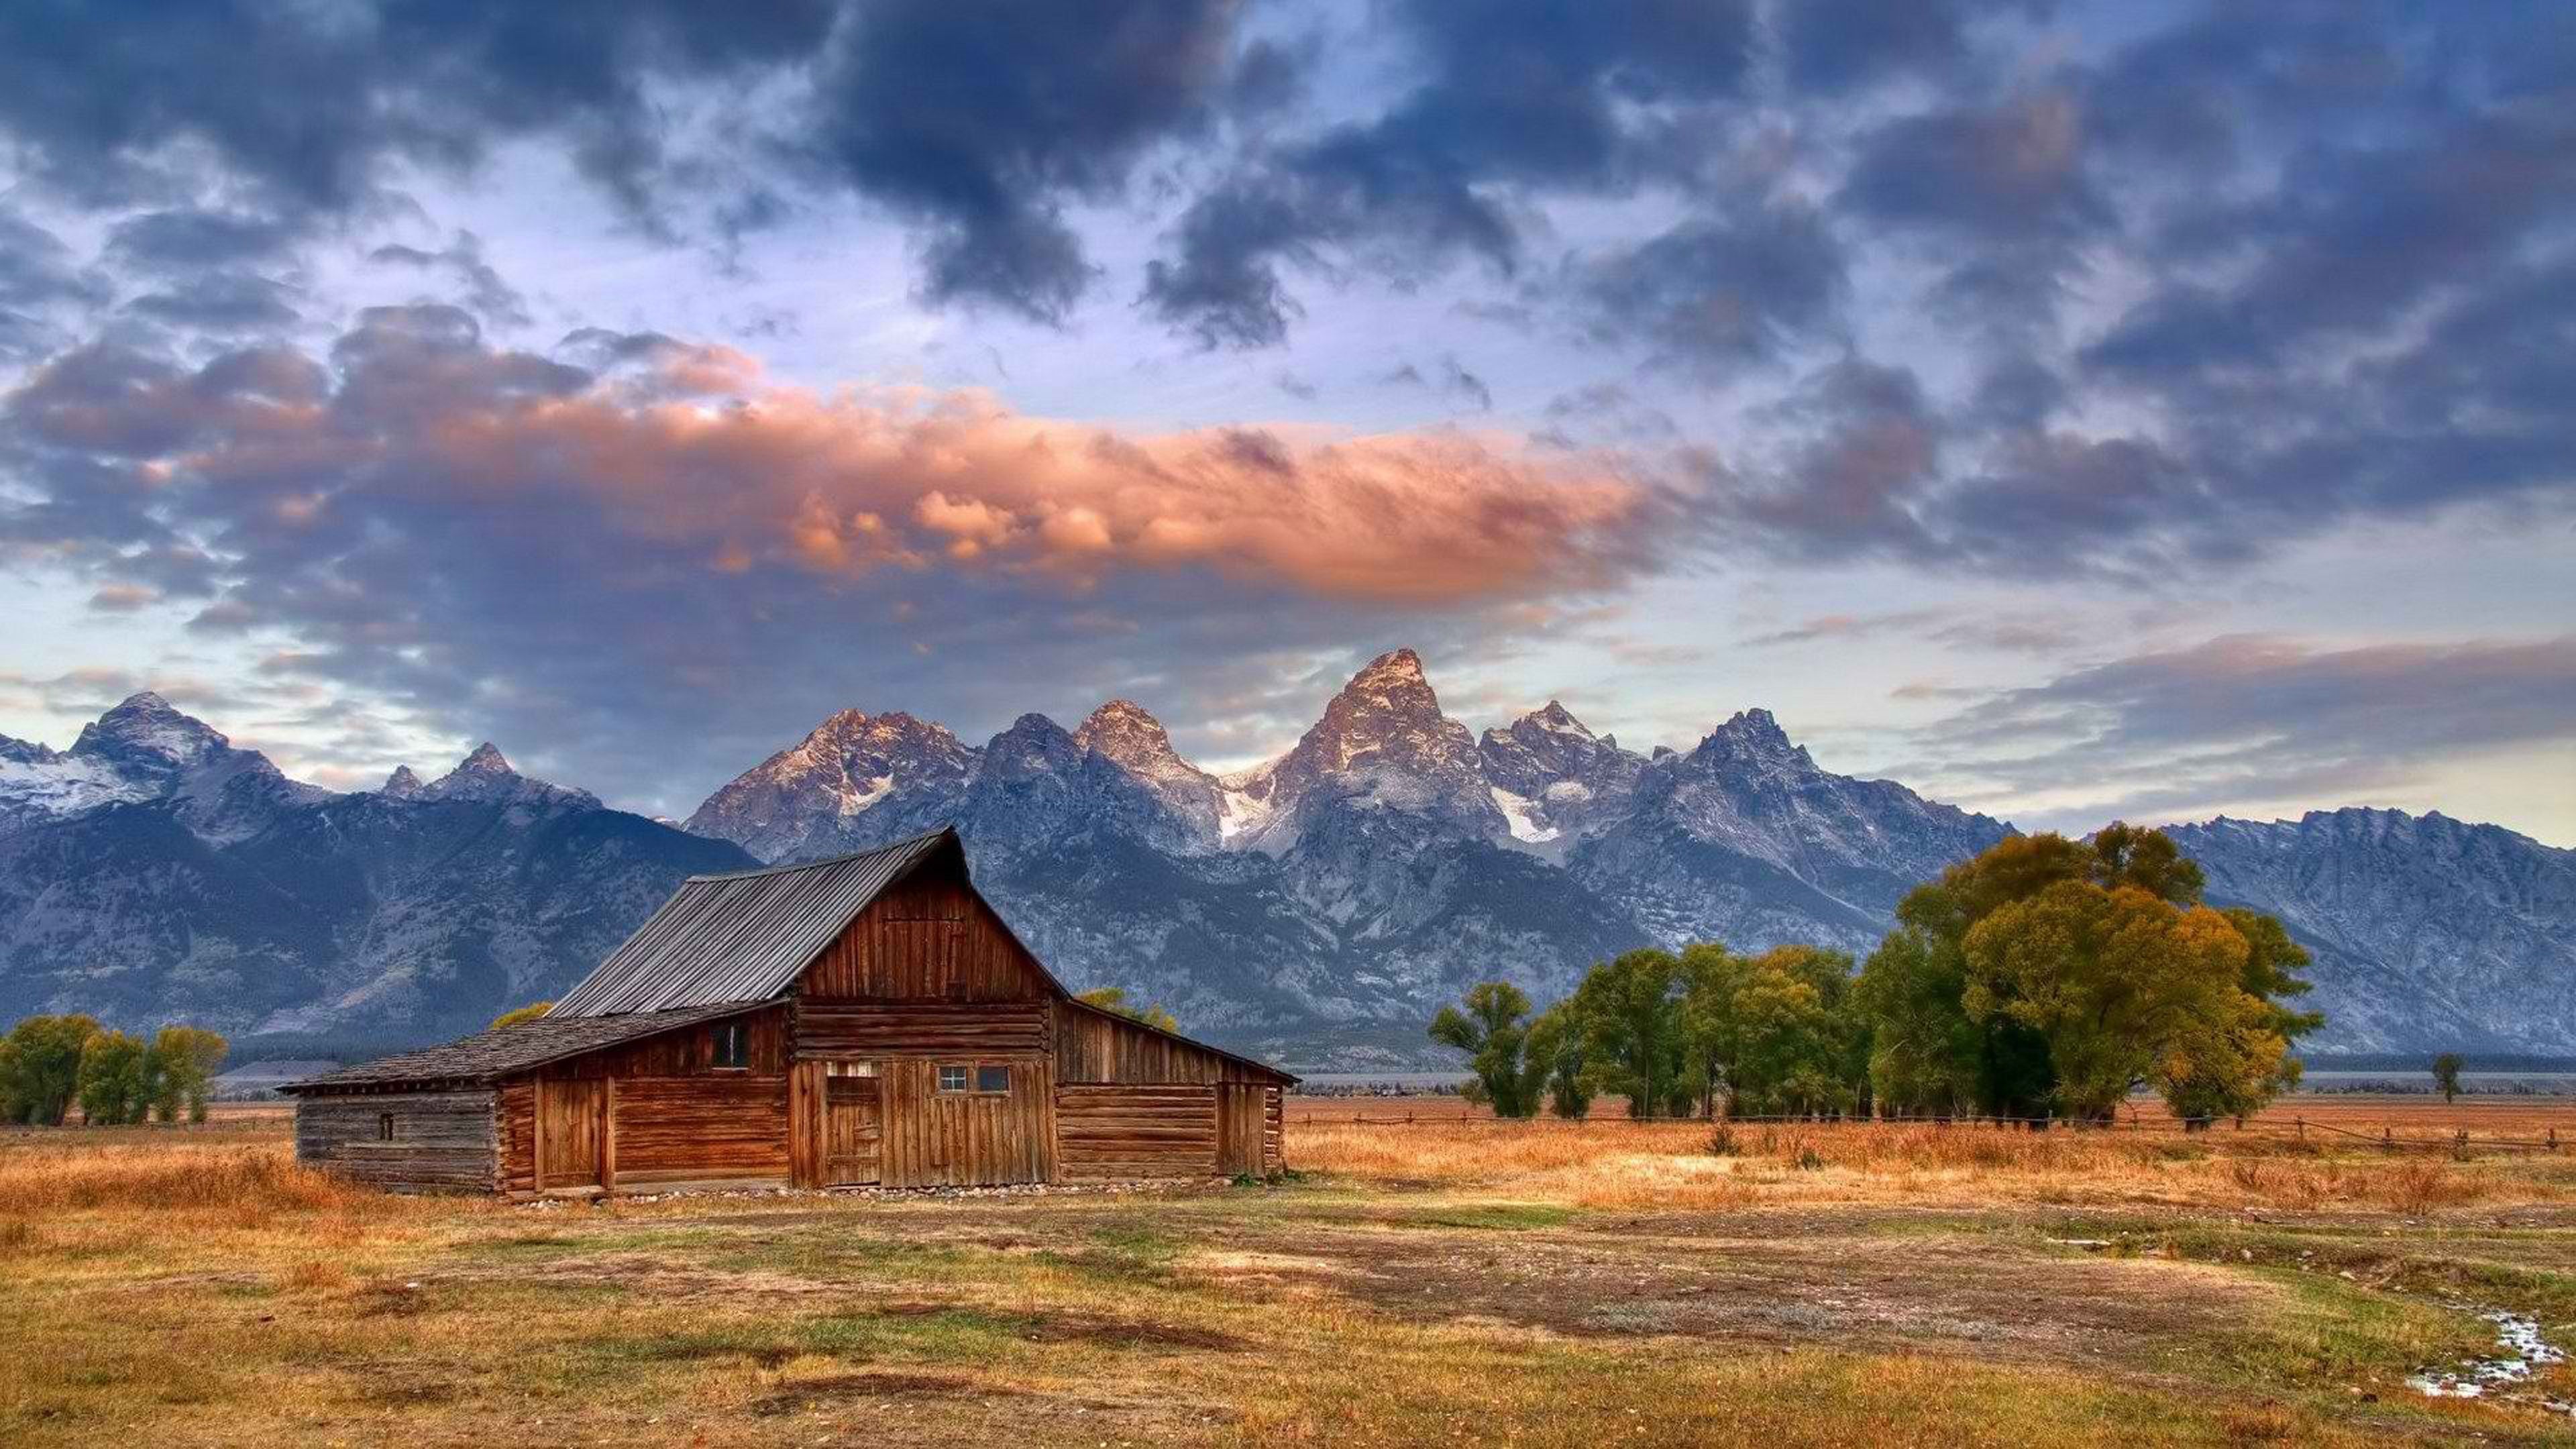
{"points": [[114, 1089], [1493, 1031], [2238, 1074], [1937, 1044], [1114, 999], [1556, 1048], [40, 1068], [181, 1070], [1777, 1029], [1631, 1014], [517, 1014], [2130, 989], [2446, 1074]]}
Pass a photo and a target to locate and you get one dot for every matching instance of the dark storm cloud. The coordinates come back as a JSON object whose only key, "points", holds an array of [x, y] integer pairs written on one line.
{"points": [[187, 239], [1716, 293], [2189, 731], [985, 119], [1549, 96], [308, 104]]}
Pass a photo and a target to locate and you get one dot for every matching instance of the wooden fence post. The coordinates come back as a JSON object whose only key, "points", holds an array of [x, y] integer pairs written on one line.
{"points": [[2303, 1127]]}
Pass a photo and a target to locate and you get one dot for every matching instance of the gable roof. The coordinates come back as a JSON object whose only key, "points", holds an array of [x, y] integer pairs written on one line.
{"points": [[743, 937], [507, 1049]]}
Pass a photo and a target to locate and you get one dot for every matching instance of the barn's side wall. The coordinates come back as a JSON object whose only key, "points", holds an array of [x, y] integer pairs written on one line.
{"points": [[672, 1115], [442, 1141]]}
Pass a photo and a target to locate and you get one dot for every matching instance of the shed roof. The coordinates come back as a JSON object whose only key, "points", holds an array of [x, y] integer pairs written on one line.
{"points": [[745, 936], [507, 1049]]}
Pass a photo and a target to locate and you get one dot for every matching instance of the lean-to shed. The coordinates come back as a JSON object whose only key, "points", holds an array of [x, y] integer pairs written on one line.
{"points": [[863, 1020]]}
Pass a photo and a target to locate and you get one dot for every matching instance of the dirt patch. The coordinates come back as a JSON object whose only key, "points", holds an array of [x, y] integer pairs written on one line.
{"points": [[1922, 1292], [1080, 1328], [844, 1387]]}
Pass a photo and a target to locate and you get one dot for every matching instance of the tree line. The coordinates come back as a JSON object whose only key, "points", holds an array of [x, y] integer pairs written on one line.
{"points": [[2046, 977], [49, 1062]]}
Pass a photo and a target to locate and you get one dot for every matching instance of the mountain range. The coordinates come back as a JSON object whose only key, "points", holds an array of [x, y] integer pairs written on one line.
{"points": [[1316, 908]]}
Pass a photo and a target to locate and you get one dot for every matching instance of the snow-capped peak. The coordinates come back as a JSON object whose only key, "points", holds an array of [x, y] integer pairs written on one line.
{"points": [[402, 784], [147, 727], [487, 774]]}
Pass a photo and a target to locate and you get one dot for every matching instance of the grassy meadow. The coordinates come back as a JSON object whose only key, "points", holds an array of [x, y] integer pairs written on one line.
{"points": [[1438, 1282]]}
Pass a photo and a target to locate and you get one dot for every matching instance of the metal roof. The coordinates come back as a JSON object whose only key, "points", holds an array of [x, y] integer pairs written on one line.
{"points": [[742, 937], [507, 1049]]}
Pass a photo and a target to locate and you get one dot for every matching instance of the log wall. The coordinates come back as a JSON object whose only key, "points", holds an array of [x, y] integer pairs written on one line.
{"points": [[1114, 1132], [697, 1129], [933, 1028], [443, 1141]]}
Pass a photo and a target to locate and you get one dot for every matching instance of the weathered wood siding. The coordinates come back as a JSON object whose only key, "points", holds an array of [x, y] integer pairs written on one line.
{"points": [[929, 938], [1107, 1133], [960, 1139], [442, 1142], [688, 1051], [956, 1030], [1092, 1045], [713, 1128], [1274, 1129]]}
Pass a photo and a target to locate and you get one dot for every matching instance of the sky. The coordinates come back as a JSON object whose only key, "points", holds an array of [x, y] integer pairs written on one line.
{"points": [[2074, 411]]}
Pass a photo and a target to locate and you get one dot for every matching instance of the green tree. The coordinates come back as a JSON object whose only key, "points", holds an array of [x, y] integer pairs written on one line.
{"points": [[1114, 999], [2129, 989], [2446, 1075], [40, 1068], [517, 1014], [1493, 1031], [114, 1089], [1633, 1039], [180, 1070], [2238, 1073], [1556, 1047], [1928, 1051]]}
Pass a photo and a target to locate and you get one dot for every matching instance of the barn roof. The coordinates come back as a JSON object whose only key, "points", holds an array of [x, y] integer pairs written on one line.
{"points": [[507, 1049], [742, 937]]}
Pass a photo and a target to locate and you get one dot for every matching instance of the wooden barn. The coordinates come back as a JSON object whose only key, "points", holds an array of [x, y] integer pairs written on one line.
{"points": [[865, 1020]]}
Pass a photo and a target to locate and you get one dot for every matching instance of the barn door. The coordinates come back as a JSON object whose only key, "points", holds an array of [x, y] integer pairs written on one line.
{"points": [[853, 1132], [569, 1127]]}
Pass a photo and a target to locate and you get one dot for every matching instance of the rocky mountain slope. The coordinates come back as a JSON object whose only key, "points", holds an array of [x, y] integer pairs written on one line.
{"points": [[1317, 907], [154, 873], [2426, 931]]}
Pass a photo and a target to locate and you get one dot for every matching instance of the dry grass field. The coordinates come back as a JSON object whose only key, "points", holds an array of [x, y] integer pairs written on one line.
{"points": [[1453, 1282]]}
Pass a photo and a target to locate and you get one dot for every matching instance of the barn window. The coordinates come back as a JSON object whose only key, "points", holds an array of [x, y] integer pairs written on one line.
{"points": [[992, 1077], [733, 1046], [384, 1126], [952, 1079]]}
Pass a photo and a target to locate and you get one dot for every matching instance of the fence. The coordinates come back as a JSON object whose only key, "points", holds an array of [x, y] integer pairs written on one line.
{"points": [[2297, 1129]]}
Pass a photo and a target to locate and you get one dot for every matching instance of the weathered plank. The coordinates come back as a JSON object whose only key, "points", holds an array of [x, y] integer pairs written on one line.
{"points": [[442, 1141]]}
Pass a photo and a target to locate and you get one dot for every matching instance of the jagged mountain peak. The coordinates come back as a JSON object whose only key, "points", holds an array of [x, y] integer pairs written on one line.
{"points": [[402, 784], [149, 726], [486, 759], [1753, 735], [1033, 742], [1127, 732], [487, 775]]}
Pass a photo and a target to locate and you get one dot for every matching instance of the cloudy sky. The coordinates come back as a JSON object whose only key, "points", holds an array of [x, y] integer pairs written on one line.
{"points": [[2071, 410]]}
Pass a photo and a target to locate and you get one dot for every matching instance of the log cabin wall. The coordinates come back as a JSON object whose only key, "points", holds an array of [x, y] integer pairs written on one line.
{"points": [[670, 1114], [440, 1141], [1116, 1132]]}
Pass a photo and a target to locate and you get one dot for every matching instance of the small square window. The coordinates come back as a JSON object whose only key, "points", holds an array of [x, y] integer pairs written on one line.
{"points": [[733, 1046], [992, 1077], [384, 1126], [952, 1079]]}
